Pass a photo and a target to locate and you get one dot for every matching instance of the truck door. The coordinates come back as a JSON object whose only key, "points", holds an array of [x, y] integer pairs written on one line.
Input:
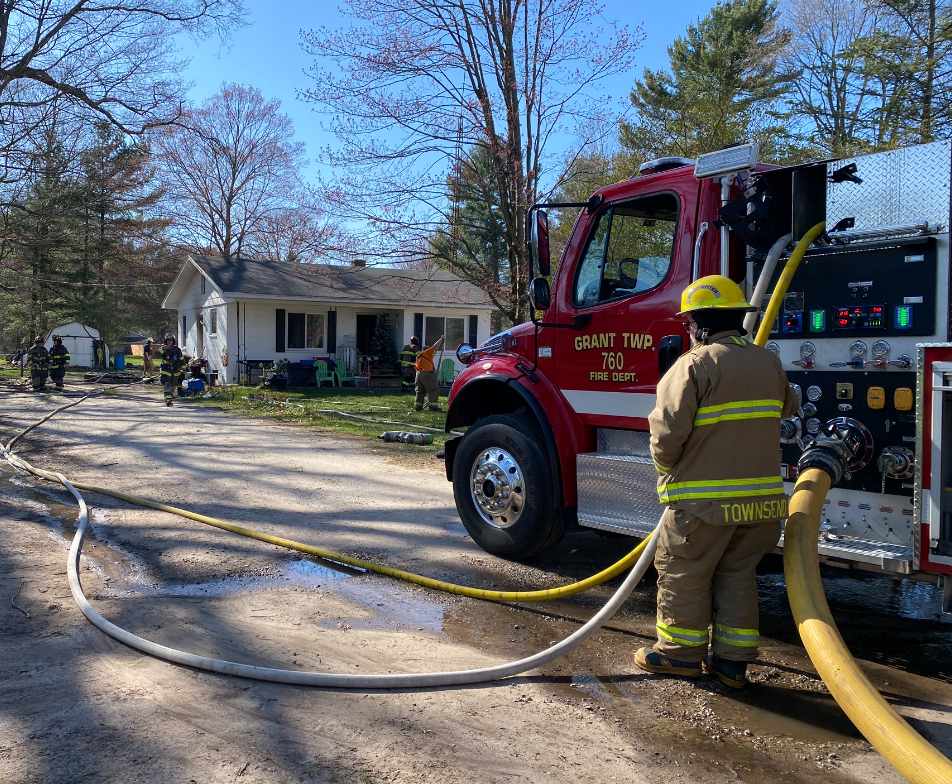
{"points": [[625, 294]]}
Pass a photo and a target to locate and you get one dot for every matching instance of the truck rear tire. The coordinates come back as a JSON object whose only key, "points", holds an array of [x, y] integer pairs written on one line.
{"points": [[502, 482]]}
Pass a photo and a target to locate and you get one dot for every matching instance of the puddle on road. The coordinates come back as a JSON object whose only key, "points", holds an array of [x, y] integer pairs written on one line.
{"points": [[123, 575], [898, 623]]}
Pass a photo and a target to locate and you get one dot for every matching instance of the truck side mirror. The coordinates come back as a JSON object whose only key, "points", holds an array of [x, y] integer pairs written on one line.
{"points": [[539, 243], [669, 349], [539, 293]]}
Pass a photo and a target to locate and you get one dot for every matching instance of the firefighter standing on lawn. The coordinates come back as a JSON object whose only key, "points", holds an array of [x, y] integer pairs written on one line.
{"points": [[59, 361], [408, 362], [172, 367], [715, 440], [427, 383], [38, 358]]}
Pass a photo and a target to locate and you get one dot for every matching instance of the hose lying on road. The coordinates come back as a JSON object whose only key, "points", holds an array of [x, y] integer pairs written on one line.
{"points": [[329, 555], [322, 679]]}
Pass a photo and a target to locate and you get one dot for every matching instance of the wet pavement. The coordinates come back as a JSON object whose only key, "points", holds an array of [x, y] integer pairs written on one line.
{"points": [[189, 586]]}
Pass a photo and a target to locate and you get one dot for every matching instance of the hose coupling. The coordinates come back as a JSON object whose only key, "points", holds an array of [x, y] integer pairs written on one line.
{"points": [[832, 450]]}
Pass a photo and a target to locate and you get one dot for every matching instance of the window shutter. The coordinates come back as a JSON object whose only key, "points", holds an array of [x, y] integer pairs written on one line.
{"points": [[332, 332], [473, 324], [418, 326], [279, 324]]}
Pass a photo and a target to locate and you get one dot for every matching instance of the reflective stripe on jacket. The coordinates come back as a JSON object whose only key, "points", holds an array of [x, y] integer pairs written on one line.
{"points": [[715, 432], [59, 358], [408, 357], [173, 361], [38, 357]]}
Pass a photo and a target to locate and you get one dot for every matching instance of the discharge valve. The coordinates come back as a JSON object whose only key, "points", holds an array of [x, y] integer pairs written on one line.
{"points": [[838, 444]]}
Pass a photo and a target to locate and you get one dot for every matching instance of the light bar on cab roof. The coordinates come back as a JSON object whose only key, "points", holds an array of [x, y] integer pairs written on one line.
{"points": [[733, 159]]}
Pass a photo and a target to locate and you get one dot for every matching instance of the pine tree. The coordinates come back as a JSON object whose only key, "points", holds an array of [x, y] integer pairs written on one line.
{"points": [[726, 84], [381, 344]]}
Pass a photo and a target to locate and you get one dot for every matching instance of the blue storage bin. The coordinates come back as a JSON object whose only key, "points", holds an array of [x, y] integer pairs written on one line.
{"points": [[196, 384], [119, 361]]}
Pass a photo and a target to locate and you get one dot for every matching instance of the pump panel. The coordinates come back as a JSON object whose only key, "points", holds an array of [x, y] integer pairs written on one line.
{"points": [[875, 289], [870, 398]]}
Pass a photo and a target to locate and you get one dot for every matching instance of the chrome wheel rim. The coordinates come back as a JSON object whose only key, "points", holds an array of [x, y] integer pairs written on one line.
{"points": [[498, 488]]}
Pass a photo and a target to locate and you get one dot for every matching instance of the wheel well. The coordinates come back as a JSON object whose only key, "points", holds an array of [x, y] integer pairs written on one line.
{"points": [[488, 396]]}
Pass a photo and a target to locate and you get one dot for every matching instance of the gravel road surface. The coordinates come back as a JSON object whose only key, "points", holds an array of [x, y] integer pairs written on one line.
{"points": [[76, 706]]}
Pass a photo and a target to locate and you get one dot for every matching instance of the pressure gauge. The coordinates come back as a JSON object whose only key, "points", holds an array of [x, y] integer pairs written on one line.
{"points": [[858, 349], [813, 426], [773, 347], [807, 349], [809, 409], [880, 348], [814, 393]]}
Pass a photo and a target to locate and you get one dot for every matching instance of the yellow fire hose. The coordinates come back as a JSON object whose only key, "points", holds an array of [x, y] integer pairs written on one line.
{"points": [[428, 582], [903, 747]]}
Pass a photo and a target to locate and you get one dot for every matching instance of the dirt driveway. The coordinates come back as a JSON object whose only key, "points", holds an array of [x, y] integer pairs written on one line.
{"points": [[76, 706]]}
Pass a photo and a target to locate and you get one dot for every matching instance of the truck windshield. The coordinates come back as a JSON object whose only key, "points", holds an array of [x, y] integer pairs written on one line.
{"points": [[629, 250]]}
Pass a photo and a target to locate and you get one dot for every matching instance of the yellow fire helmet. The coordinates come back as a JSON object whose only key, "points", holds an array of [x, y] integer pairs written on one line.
{"points": [[713, 292]]}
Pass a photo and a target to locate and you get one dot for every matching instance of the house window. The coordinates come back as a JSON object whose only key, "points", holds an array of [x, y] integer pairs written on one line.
{"points": [[306, 330], [213, 330], [202, 277], [452, 328]]}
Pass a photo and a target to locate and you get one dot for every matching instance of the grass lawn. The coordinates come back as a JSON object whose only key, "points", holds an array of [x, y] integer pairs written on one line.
{"points": [[311, 406]]}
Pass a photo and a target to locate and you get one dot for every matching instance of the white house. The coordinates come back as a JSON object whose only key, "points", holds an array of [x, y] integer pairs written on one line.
{"points": [[83, 344], [248, 310]]}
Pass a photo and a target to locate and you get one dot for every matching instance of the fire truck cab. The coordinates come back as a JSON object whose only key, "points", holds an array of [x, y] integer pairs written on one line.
{"points": [[556, 408]]}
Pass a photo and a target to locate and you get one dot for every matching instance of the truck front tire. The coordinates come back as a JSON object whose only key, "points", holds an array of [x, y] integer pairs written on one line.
{"points": [[502, 482]]}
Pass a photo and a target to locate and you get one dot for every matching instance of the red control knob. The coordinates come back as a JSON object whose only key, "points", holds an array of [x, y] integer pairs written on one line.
{"points": [[806, 362]]}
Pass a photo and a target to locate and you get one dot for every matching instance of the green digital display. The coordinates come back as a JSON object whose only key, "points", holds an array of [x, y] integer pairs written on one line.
{"points": [[817, 321], [903, 317]]}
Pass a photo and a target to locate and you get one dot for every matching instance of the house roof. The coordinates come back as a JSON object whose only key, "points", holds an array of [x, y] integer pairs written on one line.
{"points": [[251, 278]]}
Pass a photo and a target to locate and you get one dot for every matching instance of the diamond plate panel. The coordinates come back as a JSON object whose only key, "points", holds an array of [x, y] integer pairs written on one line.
{"points": [[911, 185], [618, 492], [889, 557], [628, 442]]}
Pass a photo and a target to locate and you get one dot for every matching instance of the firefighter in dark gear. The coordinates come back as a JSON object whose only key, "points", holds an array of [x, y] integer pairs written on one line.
{"points": [[59, 361], [715, 441], [38, 358], [427, 384], [172, 368], [408, 363]]}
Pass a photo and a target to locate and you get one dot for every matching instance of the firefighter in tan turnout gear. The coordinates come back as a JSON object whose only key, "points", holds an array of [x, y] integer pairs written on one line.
{"points": [[715, 440]]}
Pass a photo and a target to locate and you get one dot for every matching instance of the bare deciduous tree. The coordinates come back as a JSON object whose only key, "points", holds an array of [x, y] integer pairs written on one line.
{"points": [[114, 60], [230, 166], [417, 89]]}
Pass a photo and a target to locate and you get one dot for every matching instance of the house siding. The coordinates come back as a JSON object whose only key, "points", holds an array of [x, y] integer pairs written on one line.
{"points": [[246, 328]]}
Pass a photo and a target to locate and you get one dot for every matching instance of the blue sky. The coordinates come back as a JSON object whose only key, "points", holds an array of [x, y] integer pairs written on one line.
{"points": [[268, 55]]}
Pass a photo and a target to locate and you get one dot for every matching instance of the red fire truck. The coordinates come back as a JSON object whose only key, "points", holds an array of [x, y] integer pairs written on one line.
{"points": [[556, 409]]}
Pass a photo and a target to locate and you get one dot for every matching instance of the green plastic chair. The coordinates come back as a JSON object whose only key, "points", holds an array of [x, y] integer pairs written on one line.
{"points": [[448, 373], [343, 374], [323, 374]]}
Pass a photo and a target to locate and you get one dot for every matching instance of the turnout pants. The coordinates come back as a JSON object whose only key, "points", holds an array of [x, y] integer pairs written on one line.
{"points": [[426, 385], [58, 374], [707, 578], [38, 379], [170, 384]]}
